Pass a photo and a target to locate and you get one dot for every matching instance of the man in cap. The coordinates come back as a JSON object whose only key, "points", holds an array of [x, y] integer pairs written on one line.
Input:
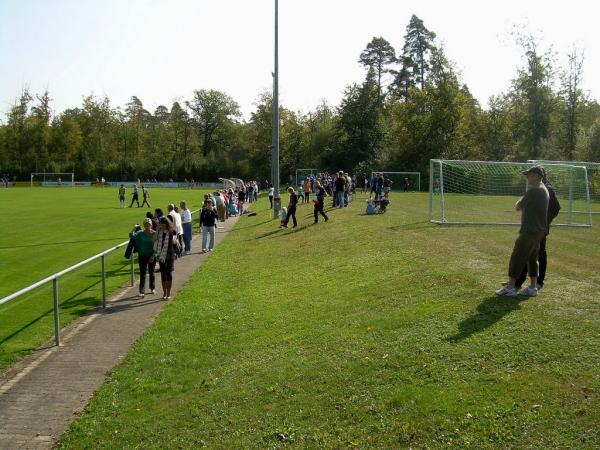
{"points": [[534, 226]]}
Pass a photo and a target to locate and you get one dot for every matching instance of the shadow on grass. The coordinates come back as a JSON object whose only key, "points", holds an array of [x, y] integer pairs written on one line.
{"points": [[413, 225], [255, 224], [63, 243], [268, 233], [84, 304], [87, 302], [490, 311]]}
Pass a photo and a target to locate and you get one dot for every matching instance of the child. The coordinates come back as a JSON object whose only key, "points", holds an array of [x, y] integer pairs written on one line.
{"points": [[370, 207], [283, 216]]}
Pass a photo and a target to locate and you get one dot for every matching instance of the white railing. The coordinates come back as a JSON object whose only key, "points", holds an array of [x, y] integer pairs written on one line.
{"points": [[54, 278]]}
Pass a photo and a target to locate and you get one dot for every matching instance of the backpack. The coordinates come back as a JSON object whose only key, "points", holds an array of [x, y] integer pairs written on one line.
{"points": [[553, 205]]}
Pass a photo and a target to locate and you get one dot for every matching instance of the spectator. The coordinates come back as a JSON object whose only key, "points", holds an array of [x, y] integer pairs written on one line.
{"points": [[208, 220], [319, 201], [340, 187], [534, 226], [165, 252], [186, 225], [553, 210], [174, 213], [291, 209], [271, 193], [144, 243]]}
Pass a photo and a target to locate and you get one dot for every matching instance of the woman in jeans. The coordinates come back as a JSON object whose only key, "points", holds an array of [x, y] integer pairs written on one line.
{"points": [[144, 242], [208, 222], [164, 251], [186, 224]]}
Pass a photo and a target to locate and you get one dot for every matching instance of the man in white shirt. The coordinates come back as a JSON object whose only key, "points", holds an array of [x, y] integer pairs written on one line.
{"points": [[177, 220], [186, 224]]}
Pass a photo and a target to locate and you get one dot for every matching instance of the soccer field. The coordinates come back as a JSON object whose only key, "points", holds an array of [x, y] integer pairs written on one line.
{"points": [[46, 230], [364, 332]]}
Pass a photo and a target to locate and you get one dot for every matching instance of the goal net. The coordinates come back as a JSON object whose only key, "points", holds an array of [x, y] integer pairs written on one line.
{"points": [[593, 170], [301, 174], [485, 192], [401, 181], [53, 179]]}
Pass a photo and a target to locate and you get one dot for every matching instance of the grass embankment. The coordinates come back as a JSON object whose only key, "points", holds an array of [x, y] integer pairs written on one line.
{"points": [[46, 230], [363, 332]]}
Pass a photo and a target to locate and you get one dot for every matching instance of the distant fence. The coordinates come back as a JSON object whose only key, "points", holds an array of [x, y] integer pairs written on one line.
{"points": [[169, 184], [54, 278]]}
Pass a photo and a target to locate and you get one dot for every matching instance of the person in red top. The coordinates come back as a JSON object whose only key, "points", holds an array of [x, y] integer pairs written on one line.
{"points": [[291, 209]]}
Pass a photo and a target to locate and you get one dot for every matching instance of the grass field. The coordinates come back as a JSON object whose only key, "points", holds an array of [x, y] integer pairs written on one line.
{"points": [[46, 230], [363, 332]]}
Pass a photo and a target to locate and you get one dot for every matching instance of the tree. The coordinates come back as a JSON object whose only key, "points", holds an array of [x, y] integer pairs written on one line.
{"points": [[571, 91], [16, 137], [376, 58], [532, 98], [418, 46], [212, 112], [360, 127]]}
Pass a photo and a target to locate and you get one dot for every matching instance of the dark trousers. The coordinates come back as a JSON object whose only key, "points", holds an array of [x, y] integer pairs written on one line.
{"points": [[135, 199], [271, 201], [525, 252], [542, 261], [145, 202], [166, 270], [306, 197], [146, 266], [291, 212], [319, 210]]}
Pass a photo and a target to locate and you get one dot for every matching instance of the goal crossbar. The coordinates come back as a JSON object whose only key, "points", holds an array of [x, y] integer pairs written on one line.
{"points": [[58, 181]]}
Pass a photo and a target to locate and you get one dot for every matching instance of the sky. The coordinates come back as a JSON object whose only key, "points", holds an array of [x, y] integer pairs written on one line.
{"points": [[163, 50]]}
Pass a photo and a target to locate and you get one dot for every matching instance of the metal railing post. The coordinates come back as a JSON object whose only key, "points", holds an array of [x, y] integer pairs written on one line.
{"points": [[56, 322], [132, 270], [103, 282]]}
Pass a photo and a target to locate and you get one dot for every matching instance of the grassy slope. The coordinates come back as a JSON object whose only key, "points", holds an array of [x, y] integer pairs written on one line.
{"points": [[46, 230], [364, 332]]}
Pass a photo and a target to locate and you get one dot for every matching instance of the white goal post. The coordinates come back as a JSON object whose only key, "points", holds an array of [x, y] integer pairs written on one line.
{"points": [[402, 181], [485, 192], [57, 179]]}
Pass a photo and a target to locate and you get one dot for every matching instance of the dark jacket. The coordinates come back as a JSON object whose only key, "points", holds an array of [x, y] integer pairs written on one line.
{"points": [[208, 217]]}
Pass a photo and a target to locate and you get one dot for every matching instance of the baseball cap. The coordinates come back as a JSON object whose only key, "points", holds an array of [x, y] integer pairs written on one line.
{"points": [[535, 169]]}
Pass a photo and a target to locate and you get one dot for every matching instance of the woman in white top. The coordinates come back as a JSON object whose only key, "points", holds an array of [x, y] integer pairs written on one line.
{"points": [[186, 224], [271, 193]]}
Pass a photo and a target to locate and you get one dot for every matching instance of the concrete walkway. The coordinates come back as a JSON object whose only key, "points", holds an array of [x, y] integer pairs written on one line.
{"points": [[42, 395]]}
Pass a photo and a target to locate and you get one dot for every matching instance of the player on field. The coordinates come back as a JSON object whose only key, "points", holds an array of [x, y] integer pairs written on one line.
{"points": [[122, 196], [134, 196], [146, 196]]}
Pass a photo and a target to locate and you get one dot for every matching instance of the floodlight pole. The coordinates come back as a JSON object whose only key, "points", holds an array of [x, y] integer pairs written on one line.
{"points": [[276, 198]]}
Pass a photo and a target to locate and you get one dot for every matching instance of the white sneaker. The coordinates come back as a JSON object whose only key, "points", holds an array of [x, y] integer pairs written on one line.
{"points": [[188, 253], [140, 295], [506, 292], [529, 292], [152, 291]]}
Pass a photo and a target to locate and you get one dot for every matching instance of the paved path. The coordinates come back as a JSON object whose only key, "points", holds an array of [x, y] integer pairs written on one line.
{"points": [[42, 395]]}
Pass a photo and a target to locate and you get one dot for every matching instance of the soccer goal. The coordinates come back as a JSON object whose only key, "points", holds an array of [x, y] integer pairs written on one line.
{"points": [[401, 181], [56, 179], [485, 192], [593, 170], [301, 174]]}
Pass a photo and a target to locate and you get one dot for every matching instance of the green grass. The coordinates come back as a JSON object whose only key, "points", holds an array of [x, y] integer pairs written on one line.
{"points": [[499, 209], [363, 332], [46, 230]]}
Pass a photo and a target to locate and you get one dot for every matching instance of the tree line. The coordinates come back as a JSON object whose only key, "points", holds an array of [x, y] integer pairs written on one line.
{"points": [[411, 106]]}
